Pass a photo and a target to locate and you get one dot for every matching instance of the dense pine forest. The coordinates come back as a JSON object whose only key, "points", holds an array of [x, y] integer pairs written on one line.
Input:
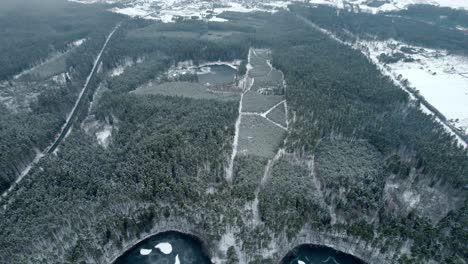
{"points": [[415, 26], [36, 106], [353, 136]]}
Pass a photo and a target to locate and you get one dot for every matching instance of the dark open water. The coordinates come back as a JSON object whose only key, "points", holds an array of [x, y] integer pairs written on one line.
{"points": [[188, 249], [310, 254]]}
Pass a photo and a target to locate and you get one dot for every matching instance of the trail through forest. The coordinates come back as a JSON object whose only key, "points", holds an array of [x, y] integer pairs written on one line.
{"points": [[66, 127]]}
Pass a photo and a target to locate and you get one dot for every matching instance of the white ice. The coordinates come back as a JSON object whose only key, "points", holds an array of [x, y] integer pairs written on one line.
{"points": [[145, 252], [166, 248]]}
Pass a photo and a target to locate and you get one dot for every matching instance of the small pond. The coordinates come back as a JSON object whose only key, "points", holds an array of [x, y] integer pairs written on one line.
{"points": [[216, 75], [166, 248], [311, 254]]}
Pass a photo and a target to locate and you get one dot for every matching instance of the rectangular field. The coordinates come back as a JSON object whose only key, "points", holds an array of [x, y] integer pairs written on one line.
{"points": [[278, 115], [259, 103], [259, 137]]}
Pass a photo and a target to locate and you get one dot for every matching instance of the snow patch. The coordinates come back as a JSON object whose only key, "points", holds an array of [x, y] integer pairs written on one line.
{"points": [[390, 5], [60, 78], [168, 11], [120, 69], [227, 240], [166, 248], [217, 19], [411, 199], [79, 42], [103, 136]]}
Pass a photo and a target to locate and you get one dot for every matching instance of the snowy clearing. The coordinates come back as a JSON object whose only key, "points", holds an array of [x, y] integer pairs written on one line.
{"points": [[391, 5], [361, 46], [168, 11], [171, 10], [438, 76]]}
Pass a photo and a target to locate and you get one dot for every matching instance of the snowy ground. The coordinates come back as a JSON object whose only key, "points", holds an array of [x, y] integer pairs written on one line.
{"points": [[390, 5], [442, 79], [188, 67], [170, 10], [51, 57], [127, 62]]}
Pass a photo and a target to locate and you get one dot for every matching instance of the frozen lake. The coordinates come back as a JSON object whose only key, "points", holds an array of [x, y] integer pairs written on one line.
{"points": [[166, 248], [216, 75], [311, 254]]}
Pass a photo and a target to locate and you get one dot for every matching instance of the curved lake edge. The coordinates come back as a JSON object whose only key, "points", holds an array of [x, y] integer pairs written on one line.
{"points": [[183, 227], [337, 241], [295, 254], [168, 237]]}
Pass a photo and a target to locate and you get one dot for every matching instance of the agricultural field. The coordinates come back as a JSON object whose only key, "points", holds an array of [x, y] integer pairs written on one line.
{"points": [[185, 89], [263, 115], [258, 103], [259, 137], [278, 115], [259, 61]]}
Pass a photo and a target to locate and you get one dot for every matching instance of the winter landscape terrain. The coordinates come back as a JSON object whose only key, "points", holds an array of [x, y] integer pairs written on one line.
{"points": [[167, 10], [426, 72], [233, 131]]}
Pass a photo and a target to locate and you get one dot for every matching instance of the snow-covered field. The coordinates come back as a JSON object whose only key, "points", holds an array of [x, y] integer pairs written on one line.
{"points": [[390, 5], [441, 78], [170, 10]]}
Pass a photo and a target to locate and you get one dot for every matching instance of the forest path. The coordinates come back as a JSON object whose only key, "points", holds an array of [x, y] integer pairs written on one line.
{"points": [[66, 127], [246, 84], [256, 220]]}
